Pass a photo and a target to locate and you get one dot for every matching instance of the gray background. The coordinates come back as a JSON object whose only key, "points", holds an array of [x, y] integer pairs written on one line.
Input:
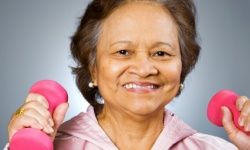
{"points": [[34, 45]]}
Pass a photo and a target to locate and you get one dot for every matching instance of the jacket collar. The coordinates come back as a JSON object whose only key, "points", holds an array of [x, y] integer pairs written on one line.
{"points": [[85, 126]]}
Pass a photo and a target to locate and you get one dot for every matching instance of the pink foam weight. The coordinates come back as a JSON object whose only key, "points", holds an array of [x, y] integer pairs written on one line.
{"points": [[52, 91], [31, 139], [34, 139], [223, 98]]}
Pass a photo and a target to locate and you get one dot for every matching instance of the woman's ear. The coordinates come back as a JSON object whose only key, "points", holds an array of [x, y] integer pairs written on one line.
{"points": [[93, 73]]}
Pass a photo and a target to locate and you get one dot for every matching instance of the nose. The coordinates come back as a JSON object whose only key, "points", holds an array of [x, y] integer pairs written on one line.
{"points": [[143, 66]]}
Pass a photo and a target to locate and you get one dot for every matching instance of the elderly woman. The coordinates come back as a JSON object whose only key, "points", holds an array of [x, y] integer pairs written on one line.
{"points": [[132, 59]]}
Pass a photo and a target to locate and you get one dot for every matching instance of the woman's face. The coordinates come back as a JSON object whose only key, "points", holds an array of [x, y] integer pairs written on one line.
{"points": [[138, 63]]}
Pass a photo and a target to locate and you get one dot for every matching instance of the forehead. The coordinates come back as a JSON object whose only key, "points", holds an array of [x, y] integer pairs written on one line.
{"points": [[139, 18]]}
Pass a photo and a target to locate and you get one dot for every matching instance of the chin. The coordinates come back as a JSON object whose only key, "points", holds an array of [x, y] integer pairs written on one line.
{"points": [[145, 110]]}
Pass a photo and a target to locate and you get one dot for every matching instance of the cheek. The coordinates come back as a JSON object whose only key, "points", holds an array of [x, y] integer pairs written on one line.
{"points": [[109, 71], [109, 77], [173, 71]]}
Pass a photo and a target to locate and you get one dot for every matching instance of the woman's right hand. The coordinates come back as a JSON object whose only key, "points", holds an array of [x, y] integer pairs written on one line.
{"points": [[36, 115]]}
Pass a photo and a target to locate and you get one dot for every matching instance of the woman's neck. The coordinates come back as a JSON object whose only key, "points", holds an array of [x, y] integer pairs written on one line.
{"points": [[128, 131]]}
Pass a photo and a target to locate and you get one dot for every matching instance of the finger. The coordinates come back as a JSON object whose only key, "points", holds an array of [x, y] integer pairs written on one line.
{"points": [[19, 122], [39, 98], [247, 123], [240, 102], [245, 111], [39, 108], [228, 124], [60, 113], [42, 120]]}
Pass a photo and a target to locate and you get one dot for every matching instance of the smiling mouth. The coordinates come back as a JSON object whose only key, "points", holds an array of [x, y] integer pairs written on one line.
{"points": [[141, 86]]}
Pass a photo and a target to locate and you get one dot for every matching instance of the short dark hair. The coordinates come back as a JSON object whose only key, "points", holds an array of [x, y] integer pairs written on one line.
{"points": [[84, 41]]}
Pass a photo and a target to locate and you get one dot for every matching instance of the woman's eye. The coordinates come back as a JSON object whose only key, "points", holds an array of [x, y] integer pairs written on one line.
{"points": [[161, 53], [123, 52]]}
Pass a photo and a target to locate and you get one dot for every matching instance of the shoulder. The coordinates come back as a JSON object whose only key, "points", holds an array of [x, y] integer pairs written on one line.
{"points": [[65, 137], [80, 124], [78, 132], [207, 142], [65, 141], [188, 138]]}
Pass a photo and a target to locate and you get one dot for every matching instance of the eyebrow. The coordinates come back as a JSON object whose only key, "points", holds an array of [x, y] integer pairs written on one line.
{"points": [[154, 45], [163, 43], [119, 42]]}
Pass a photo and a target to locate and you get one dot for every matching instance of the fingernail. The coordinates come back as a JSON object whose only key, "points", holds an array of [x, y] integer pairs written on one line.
{"points": [[51, 123], [247, 128], [241, 121], [50, 130], [222, 109]]}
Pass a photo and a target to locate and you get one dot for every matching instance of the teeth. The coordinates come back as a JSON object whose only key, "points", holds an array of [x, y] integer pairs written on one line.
{"points": [[150, 87], [135, 86]]}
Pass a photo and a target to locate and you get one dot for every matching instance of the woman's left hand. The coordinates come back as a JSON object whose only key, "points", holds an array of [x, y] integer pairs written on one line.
{"points": [[237, 137]]}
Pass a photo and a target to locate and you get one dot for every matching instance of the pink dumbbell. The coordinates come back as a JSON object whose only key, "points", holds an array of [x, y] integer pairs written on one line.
{"points": [[35, 139], [223, 98]]}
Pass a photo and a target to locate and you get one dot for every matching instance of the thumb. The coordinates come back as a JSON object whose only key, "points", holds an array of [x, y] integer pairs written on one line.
{"points": [[59, 114], [228, 124], [238, 138]]}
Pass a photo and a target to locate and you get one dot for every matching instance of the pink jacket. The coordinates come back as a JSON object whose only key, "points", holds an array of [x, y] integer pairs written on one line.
{"points": [[83, 133]]}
